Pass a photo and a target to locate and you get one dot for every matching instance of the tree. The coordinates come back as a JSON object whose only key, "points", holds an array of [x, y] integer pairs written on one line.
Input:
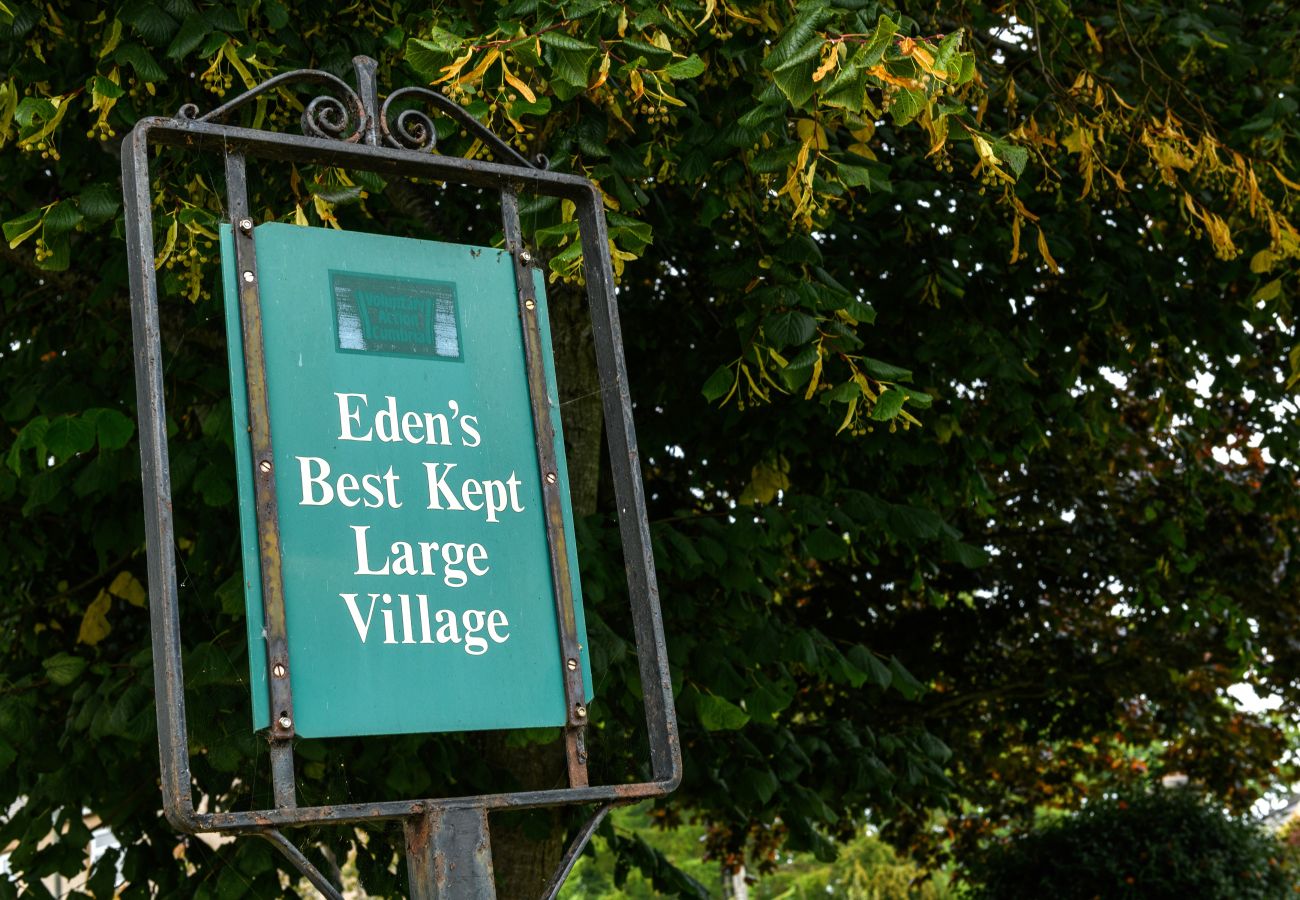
{"points": [[946, 516]]}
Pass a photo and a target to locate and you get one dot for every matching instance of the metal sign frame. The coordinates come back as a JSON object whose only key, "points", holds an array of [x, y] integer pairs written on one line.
{"points": [[446, 839]]}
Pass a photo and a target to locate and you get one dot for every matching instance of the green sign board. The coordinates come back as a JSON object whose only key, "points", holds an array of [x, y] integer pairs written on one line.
{"points": [[417, 578]]}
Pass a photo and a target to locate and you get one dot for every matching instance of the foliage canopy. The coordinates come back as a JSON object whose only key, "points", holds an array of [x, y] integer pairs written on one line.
{"points": [[972, 480]]}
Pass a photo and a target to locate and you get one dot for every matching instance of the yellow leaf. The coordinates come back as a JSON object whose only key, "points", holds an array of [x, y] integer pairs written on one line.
{"points": [[638, 85], [848, 416], [451, 71], [767, 480], [1282, 178], [601, 74], [168, 245], [1092, 35], [710, 7], [94, 624], [28, 233], [299, 217], [816, 375], [129, 588], [1262, 262], [1270, 291], [1015, 239], [1047, 254], [984, 149], [477, 72], [515, 82], [828, 64], [111, 41], [812, 134]]}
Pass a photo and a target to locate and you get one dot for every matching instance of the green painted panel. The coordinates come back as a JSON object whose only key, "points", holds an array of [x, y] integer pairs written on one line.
{"points": [[417, 581]]}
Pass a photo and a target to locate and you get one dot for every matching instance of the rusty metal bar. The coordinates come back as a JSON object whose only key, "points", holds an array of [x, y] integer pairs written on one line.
{"points": [[575, 850], [302, 864], [155, 473], [544, 406], [197, 135], [629, 491], [267, 503], [449, 855]]}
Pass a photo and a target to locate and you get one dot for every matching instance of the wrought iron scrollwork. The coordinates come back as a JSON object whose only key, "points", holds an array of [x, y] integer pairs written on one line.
{"points": [[355, 116], [413, 129]]}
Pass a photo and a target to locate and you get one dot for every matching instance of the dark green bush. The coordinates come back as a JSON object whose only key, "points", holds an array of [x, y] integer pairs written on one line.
{"points": [[1169, 843]]}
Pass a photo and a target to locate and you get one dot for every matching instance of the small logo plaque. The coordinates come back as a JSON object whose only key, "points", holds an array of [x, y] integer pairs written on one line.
{"points": [[398, 316]]}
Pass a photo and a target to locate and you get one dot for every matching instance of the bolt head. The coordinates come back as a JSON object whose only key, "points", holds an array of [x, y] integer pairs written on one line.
{"points": [[580, 712], [550, 478], [572, 665], [246, 226], [525, 257], [530, 304], [248, 277], [285, 722], [278, 670], [265, 466]]}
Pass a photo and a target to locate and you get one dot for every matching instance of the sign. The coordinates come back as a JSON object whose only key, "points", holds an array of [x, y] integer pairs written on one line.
{"points": [[417, 579]]}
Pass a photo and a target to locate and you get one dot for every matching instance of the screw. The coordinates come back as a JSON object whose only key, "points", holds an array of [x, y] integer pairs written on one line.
{"points": [[286, 723], [246, 226], [265, 466], [248, 276], [580, 712], [278, 670], [525, 257], [550, 478], [530, 304], [573, 665]]}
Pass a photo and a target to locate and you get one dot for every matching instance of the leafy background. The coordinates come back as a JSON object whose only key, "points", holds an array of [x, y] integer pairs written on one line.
{"points": [[963, 351]]}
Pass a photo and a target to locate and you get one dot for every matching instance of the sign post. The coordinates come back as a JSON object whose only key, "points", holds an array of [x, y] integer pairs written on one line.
{"points": [[408, 550]]}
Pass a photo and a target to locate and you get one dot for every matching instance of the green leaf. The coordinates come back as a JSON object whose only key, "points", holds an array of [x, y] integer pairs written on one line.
{"points": [[62, 218], [881, 38], [789, 328], [907, 105], [63, 668], [903, 681], [800, 42], [655, 57], [1015, 157], [561, 41], [98, 202], [24, 226], [148, 21], [888, 406], [853, 176], [100, 85], [718, 714], [690, 67], [192, 32], [868, 662], [428, 58], [824, 544], [719, 383], [113, 429], [883, 371], [141, 62], [968, 555], [569, 72], [69, 435]]}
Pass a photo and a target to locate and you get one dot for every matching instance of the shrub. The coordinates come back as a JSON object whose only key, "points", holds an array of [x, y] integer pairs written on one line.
{"points": [[1169, 843]]}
